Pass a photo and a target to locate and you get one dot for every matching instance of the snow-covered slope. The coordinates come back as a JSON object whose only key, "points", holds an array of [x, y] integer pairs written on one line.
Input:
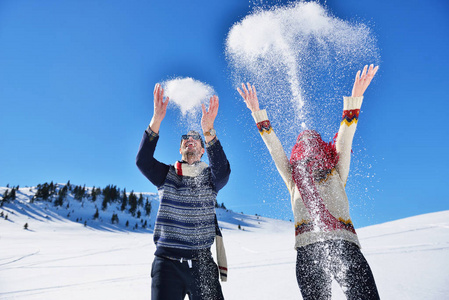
{"points": [[59, 258]]}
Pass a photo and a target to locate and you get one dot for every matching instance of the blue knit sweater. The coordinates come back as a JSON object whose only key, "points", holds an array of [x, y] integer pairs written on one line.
{"points": [[185, 223]]}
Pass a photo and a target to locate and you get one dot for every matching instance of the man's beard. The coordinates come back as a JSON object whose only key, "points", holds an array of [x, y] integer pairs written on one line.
{"points": [[188, 153]]}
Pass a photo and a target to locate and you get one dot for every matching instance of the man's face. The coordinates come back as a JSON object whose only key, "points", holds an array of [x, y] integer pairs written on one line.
{"points": [[191, 145]]}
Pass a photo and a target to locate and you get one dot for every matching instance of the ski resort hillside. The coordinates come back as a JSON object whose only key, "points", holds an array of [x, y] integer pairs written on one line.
{"points": [[108, 208], [64, 252]]}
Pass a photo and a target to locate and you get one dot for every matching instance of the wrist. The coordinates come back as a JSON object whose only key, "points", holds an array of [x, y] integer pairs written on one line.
{"points": [[155, 125], [211, 132]]}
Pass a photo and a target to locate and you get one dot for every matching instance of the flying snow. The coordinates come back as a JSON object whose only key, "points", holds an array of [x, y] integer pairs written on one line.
{"points": [[187, 93], [296, 55]]}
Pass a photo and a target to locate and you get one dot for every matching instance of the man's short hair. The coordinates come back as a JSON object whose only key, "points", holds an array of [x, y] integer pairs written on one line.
{"points": [[195, 136]]}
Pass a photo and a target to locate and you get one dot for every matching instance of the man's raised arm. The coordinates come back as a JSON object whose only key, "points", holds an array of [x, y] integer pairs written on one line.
{"points": [[154, 170]]}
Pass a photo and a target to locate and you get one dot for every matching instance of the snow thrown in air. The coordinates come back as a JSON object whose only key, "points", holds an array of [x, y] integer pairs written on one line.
{"points": [[187, 93], [300, 58]]}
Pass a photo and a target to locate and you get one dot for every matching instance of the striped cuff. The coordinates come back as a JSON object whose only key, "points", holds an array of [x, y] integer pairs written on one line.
{"points": [[351, 110], [213, 141], [262, 122], [151, 134], [350, 116]]}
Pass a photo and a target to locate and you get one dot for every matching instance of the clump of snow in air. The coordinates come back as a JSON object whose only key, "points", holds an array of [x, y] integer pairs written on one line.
{"points": [[187, 93], [301, 59]]}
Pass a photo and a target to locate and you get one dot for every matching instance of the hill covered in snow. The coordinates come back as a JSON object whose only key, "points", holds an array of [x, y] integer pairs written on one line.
{"points": [[66, 253]]}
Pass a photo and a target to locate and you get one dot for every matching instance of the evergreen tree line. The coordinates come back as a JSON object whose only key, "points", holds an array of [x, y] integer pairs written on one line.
{"points": [[57, 193], [111, 195]]}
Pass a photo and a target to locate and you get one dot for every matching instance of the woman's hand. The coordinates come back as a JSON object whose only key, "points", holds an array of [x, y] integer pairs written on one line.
{"points": [[362, 82], [249, 95]]}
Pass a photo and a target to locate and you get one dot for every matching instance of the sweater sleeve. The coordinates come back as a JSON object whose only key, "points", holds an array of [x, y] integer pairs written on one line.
{"points": [[218, 164], [274, 147], [348, 125], [155, 171]]}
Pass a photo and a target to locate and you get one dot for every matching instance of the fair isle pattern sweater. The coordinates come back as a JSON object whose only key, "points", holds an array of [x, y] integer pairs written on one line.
{"points": [[186, 216], [185, 223], [331, 189]]}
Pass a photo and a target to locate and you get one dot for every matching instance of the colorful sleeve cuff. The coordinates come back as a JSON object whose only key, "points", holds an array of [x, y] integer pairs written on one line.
{"points": [[351, 110], [213, 141], [262, 122], [151, 134]]}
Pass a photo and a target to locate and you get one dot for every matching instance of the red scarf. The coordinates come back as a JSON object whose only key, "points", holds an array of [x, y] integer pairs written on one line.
{"points": [[312, 157]]}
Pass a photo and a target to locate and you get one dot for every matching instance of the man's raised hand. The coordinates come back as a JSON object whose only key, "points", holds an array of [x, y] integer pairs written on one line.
{"points": [[160, 108], [209, 115]]}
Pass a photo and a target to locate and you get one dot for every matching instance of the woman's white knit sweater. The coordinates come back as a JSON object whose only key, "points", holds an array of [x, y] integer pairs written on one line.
{"points": [[331, 189]]}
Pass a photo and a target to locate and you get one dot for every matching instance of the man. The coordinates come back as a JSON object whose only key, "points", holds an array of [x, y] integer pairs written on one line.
{"points": [[186, 222], [325, 239]]}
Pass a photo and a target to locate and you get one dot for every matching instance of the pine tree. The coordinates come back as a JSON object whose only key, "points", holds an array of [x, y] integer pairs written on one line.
{"points": [[51, 187], [104, 204], [110, 194], [114, 218], [79, 192], [93, 194], [124, 200], [140, 201], [12, 195], [132, 203], [147, 208], [96, 215], [5, 196], [62, 193], [43, 191]]}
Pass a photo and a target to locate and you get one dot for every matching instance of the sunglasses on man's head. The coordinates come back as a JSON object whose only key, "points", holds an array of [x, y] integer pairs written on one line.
{"points": [[194, 136]]}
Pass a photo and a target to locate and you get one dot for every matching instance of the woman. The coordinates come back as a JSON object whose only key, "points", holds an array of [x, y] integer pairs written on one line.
{"points": [[326, 242]]}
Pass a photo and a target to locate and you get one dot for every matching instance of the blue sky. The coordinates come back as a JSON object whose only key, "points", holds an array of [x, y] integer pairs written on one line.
{"points": [[76, 82]]}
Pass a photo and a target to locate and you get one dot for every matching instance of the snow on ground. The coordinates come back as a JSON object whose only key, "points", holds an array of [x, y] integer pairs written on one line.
{"points": [[57, 258]]}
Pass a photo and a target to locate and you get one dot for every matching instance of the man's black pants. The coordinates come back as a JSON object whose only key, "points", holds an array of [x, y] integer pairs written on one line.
{"points": [[174, 279], [318, 263]]}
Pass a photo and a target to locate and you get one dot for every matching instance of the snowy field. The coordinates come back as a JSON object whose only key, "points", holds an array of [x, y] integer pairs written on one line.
{"points": [[57, 258]]}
